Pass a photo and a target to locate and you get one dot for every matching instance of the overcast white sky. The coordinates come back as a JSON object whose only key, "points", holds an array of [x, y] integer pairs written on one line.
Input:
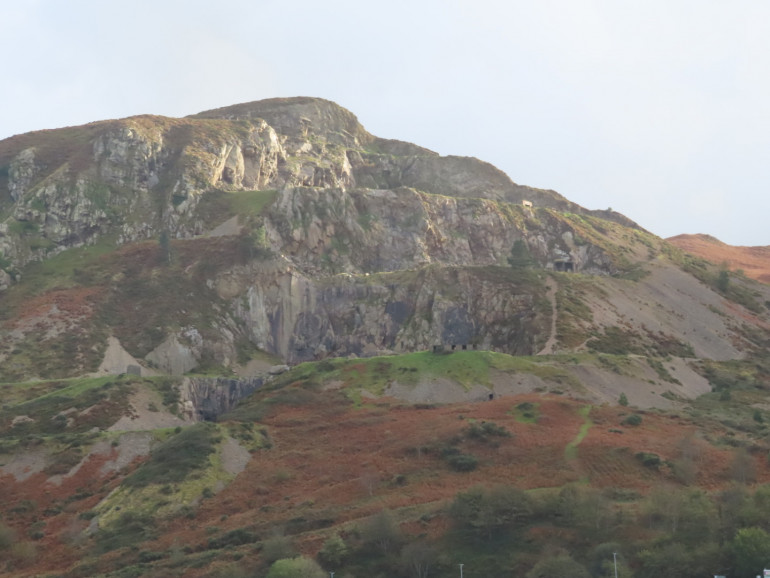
{"points": [[659, 109]]}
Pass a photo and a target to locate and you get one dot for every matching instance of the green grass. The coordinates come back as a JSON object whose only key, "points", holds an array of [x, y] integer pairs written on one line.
{"points": [[570, 452], [541, 366], [184, 467], [466, 368], [215, 207], [526, 412], [73, 388], [374, 374], [105, 398], [62, 271], [251, 202], [175, 459]]}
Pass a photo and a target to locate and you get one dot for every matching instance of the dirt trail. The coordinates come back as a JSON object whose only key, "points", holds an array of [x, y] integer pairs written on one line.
{"points": [[551, 295]]}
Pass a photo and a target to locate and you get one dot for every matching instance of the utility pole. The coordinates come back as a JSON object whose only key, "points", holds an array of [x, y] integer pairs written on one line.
{"points": [[615, 561], [461, 570]]}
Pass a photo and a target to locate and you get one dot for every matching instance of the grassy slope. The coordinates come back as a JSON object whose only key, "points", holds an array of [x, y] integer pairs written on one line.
{"points": [[324, 461]]}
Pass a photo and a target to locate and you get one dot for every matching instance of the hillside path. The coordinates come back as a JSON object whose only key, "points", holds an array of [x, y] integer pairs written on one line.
{"points": [[551, 294]]}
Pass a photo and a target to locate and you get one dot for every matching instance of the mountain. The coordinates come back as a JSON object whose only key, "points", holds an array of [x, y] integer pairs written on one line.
{"points": [[754, 262], [261, 331]]}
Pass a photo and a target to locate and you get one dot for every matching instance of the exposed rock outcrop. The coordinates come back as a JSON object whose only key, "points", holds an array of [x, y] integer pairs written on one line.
{"points": [[307, 237], [204, 398], [137, 177]]}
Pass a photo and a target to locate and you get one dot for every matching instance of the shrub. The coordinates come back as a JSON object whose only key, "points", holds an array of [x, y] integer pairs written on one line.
{"points": [[381, 530], [235, 537], [299, 567], [333, 552], [623, 400], [7, 537], [128, 530], [561, 565], [633, 419], [277, 547], [463, 462], [486, 429], [173, 460], [489, 510], [649, 460]]}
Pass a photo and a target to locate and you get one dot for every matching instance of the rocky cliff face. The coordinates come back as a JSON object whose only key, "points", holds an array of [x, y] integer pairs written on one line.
{"points": [[138, 177], [204, 398], [300, 318], [284, 225]]}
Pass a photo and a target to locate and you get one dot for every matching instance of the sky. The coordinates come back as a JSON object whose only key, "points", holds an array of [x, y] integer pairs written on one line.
{"points": [[658, 109]]}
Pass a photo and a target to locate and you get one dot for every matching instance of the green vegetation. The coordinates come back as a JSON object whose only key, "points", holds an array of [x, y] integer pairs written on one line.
{"points": [[462, 462], [57, 406], [514, 525], [215, 207], [526, 412], [129, 529], [574, 316], [633, 420], [179, 457], [296, 568], [570, 452], [486, 430], [467, 368], [487, 511], [520, 257], [70, 268], [723, 281]]}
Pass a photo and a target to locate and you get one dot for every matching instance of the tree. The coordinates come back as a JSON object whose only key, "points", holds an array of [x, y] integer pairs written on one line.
{"points": [[760, 506], [623, 399], [559, 566], [254, 244], [751, 552], [663, 508], [7, 537], [487, 510], [165, 247], [604, 558], [277, 547], [742, 467], [723, 280], [381, 530], [520, 257], [669, 561], [299, 567], [333, 551], [734, 504], [673, 560], [698, 519], [418, 558], [686, 465]]}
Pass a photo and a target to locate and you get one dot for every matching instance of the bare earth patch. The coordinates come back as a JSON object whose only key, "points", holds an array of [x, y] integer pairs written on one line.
{"points": [[234, 456]]}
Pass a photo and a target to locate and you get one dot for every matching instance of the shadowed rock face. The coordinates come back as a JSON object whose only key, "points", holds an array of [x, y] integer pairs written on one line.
{"points": [[205, 398], [299, 319]]}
